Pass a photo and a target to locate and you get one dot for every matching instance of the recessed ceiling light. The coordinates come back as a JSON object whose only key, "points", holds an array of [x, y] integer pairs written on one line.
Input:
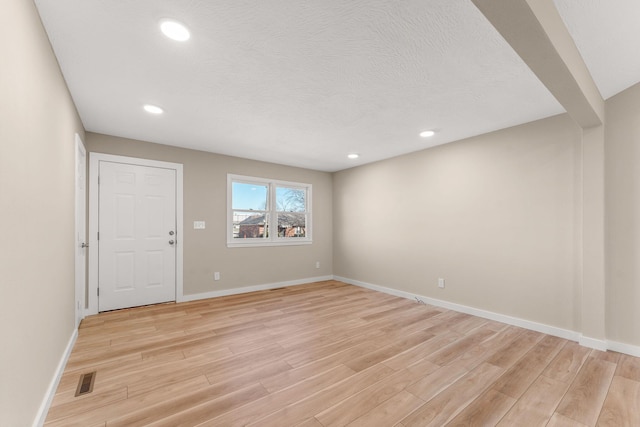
{"points": [[353, 156], [175, 30], [427, 133], [153, 109]]}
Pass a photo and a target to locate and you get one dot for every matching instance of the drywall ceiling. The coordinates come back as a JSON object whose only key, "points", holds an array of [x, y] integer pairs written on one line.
{"points": [[304, 83], [607, 34]]}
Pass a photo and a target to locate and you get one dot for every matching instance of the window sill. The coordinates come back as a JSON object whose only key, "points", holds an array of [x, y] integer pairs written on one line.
{"points": [[268, 243]]}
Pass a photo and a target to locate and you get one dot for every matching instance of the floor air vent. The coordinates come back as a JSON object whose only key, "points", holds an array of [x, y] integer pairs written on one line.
{"points": [[85, 385]]}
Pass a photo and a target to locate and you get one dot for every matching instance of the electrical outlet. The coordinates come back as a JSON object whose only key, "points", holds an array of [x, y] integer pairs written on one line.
{"points": [[440, 282], [317, 264], [198, 225], [216, 275]]}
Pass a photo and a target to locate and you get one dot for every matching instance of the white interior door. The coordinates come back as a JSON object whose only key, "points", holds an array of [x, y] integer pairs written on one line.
{"points": [[137, 235], [81, 229]]}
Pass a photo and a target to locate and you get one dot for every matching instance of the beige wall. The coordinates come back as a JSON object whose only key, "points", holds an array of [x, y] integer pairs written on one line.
{"points": [[37, 125], [205, 189], [622, 166], [494, 215]]}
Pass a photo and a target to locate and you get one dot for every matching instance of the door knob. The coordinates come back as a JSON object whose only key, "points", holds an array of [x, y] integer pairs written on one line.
{"points": [[171, 242], [171, 233], [84, 245]]}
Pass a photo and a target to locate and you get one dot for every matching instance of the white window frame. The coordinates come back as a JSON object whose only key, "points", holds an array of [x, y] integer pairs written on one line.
{"points": [[271, 213]]}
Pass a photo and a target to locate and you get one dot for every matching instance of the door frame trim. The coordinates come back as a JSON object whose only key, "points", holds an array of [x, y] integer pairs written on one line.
{"points": [[80, 291], [94, 168]]}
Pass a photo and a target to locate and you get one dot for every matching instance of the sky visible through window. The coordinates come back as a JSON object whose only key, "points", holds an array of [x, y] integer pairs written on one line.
{"points": [[254, 197], [249, 196]]}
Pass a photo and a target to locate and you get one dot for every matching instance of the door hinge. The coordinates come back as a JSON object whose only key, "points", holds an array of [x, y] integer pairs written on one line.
{"points": [[98, 235], [98, 179], [98, 291]]}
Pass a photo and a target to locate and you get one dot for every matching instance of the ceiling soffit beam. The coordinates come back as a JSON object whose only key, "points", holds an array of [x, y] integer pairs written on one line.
{"points": [[535, 30]]}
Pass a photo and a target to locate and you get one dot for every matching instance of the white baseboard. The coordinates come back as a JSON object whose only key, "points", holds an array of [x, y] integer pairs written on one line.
{"points": [[632, 350], [601, 345], [522, 323], [246, 289], [53, 385]]}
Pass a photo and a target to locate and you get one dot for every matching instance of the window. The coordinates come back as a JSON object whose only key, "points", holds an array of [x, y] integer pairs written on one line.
{"points": [[263, 212]]}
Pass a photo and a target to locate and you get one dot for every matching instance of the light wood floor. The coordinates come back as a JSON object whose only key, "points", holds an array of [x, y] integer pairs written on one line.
{"points": [[330, 354]]}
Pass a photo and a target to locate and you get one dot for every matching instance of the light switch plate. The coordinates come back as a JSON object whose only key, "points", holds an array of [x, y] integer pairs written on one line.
{"points": [[198, 225]]}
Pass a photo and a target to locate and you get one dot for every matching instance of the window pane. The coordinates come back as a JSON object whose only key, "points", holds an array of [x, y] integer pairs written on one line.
{"points": [[291, 199], [247, 225], [263, 212], [292, 224], [250, 197]]}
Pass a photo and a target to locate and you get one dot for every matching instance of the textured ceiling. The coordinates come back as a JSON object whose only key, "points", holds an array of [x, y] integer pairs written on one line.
{"points": [[304, 83]]}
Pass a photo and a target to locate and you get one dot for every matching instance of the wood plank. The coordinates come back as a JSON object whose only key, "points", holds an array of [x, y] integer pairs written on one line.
{"points": [[486, 410], [457, 348], [629, 367], [388, 351], [95, 361], [498, 343], [310, 422], [516, 350], [150, 379], [423, 368], [523, 373], [290, 377], [421, 351], [470, 324], [607, 356], [567, 363], [622, 405], [127, 374], [586, 395], [447, 404], [129, 405], [391, 312], [262, 407], [436, 381], [90, 401], [316, 403], [446, 321], [538, 403], [561, 421], [308, 352], [359, 404], [187, 409], [420, 318], [389, 412], [224, 383]]}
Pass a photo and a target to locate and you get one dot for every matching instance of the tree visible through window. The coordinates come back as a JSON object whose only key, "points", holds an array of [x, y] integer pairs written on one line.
{"points": [[291, 211], [267, 212]]}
